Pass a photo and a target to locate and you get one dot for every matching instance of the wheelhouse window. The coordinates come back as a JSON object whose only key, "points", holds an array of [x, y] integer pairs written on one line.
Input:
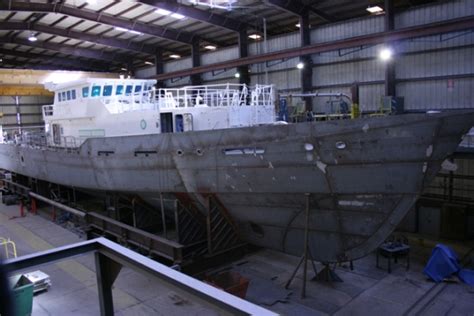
{"points": [[119, 90], [68, 95], [95, 91], [73, 94], [63, 95], [85, 92], [59, 97], [128, 90], [138, 89], [107, 91]]}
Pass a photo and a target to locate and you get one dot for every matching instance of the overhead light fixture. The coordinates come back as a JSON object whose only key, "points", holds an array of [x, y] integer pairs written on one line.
{"points": [[298, 25], [300, 65], [177, 16], [175, 56], [32, 38], [375, 9], [149, 63], [210, 47], [237, 75], [255, 36], [163, 12], [1, 60], [123, 69], [386, 54], [215, 4], [169, 13], [122, 29]]}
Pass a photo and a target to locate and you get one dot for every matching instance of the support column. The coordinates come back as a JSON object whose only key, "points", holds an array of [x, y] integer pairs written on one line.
{"points": [[390, 89], [196, 79], [159, 69], [107, 271], [130, 70], [18, 113], [307, 71], [243, 52]]}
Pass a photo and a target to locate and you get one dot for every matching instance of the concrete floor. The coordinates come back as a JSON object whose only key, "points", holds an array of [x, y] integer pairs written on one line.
{"points": [[365, 291]]}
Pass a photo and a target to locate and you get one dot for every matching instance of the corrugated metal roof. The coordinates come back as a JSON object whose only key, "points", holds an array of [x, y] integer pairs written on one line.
{"points": [[107, 38]]}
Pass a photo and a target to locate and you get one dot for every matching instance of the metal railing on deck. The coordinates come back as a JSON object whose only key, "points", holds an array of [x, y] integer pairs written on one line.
{"points": [[220, 95], [40, 140]]}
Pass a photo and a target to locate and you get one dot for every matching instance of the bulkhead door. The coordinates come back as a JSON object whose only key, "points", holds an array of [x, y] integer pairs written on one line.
{"points": [[187, 122]]}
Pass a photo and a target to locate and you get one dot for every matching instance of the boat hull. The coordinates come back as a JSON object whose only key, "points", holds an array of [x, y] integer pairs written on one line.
{"points": [[360, 176]]}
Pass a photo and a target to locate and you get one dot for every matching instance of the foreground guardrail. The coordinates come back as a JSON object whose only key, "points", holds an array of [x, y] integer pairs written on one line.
{"points": [[111, 257]]}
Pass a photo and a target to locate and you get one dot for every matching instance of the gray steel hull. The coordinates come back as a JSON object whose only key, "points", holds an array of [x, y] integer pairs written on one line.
{"points": [[362, 175]]}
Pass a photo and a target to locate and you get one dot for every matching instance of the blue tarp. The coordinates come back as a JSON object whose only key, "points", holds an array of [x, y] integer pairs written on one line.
{"points": [[467, 276], [443, 263]]}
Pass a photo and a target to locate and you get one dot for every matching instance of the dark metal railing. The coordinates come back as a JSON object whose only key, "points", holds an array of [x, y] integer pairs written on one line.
{"points": [[111, 257]]}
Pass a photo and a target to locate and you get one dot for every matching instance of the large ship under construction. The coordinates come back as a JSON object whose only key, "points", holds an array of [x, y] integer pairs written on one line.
{"points": [[221, 146]]}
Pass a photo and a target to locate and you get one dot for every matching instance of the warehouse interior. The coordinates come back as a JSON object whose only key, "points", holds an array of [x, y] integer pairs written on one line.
{"points": [[309, 157]]}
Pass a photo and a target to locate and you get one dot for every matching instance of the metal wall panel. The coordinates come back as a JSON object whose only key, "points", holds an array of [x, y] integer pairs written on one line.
{"points": [[360, 71], [436, 41], [220, 55], [434, 13], [6, 99], [224, 81], [218, 75], [352, 28], [8, 120], [180, 64], [283, 80], [8, 109], [185, 81], [276, 43], [437, 94], [34, 119], [346, 54], [30, 109], [370, 96], [441, 63], [145, 72], [275, 65]]}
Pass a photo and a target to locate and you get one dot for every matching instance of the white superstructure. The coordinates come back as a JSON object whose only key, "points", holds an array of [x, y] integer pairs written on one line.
{"points": [[92, 108]]}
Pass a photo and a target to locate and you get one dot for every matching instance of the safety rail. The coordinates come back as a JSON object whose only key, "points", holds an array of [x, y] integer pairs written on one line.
{"points": [[220, 95], [111, 257], [40, 140], [10, 247]]}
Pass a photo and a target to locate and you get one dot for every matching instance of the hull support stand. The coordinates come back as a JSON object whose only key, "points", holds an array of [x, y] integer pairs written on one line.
{"points": [[306, 253]]}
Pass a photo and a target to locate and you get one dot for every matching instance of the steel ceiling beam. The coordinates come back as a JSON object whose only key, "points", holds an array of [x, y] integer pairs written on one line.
{"points": [[70, 50], [96, 66], [107, 41], [448, 26], [196, 14], [298, 8], [154, 30]]}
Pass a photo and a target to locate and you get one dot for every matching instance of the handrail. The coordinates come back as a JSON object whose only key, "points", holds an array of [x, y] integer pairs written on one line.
{"points": [[111, 257], [220, 95]]}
